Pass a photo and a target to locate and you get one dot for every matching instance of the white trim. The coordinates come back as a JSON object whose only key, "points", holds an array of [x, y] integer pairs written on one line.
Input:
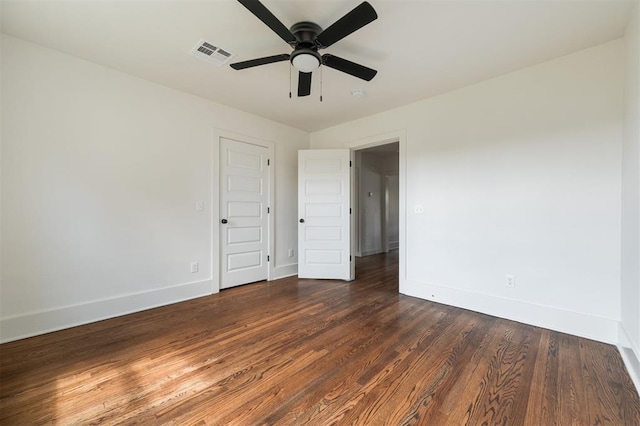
{"points": [[371, 252], [354, 213], [35, 323], [215, 212], [576, 323], [630, 354], [283, 271]]}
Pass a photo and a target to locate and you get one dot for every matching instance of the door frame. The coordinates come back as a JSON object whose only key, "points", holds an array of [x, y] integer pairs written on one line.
{"points": [[216, 251], [400, 136]]}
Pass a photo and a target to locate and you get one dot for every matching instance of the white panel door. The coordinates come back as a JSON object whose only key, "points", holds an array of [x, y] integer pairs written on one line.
{"points": [[323, 211], [244, 197]]}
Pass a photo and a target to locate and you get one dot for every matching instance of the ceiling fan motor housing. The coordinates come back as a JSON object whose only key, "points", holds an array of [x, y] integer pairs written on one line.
{"points": [[305, 33]]}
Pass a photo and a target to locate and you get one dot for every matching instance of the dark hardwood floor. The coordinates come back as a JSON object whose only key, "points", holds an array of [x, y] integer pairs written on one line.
{"points": [[314, 352]]}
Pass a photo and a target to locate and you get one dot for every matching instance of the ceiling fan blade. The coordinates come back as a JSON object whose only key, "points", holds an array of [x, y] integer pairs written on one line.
{"points": [[304, 83], [352, 21], [260, 61], [263, 14], [348, 67]]}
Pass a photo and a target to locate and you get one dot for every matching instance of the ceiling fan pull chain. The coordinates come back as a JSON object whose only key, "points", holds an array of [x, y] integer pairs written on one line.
{"points": [[289, 81], [320, 83]]}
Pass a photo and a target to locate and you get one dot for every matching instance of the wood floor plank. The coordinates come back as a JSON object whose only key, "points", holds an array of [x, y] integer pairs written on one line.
{"points": [[542, 404], [292, 352], [571, 389]]}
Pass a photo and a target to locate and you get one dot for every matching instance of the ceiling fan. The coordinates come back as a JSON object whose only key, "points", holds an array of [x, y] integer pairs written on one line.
{"points": [[306, 38]]}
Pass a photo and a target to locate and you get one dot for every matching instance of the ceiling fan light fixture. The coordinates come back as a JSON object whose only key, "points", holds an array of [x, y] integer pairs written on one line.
{"points": [[305, 60]]}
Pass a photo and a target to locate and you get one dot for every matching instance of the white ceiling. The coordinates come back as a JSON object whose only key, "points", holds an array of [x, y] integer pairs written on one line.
{"points": [[420, 48]]}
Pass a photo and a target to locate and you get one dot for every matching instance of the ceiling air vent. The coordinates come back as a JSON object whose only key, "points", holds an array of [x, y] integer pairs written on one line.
{"points": [[210, 53]]}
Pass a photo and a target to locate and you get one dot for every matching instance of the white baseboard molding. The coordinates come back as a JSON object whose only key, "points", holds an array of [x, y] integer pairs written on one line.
{"points": [[285, 271], [630, 355], [371, 252], [35, 323], [579, 324], [394, 245]]}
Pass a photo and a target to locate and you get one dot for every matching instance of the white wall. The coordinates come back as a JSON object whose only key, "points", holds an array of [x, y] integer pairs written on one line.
{"points": [[630, 325], [391, 163], [517, 175], [100, 175]]}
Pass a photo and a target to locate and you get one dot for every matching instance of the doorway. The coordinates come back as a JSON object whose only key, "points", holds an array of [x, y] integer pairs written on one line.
{"points": [[377, 199], [387, 200]]}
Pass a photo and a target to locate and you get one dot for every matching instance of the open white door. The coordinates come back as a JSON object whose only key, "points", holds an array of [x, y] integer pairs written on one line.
{"points": [[324, 186], [244, 197]]}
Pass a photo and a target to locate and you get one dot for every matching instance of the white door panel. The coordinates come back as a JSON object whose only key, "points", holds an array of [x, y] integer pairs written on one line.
{"points": [[243, 235], [323, 209], [323, 233], [244, 209], [244, 260], [244, 198], [319, 187]]}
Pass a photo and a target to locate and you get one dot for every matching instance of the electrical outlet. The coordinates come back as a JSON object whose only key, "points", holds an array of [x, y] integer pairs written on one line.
{"points": [[290, 252], [194, 267], [510, 281], [418, 209]]}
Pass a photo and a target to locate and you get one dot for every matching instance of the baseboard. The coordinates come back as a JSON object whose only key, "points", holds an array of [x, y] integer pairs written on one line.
{"points": [[630, 355], [285, 271], [35, 323], [371, 252], [394, 245], [579, 324]]}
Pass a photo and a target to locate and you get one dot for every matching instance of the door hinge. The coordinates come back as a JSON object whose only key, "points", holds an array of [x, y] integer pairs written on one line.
{"points": [[349, 210], [349, 258], [268, 162], [349, 163], [268, 210], [267, 258]]}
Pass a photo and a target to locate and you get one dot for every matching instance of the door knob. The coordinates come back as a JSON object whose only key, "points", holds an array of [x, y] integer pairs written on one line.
{"points": [[301, 220], [224, 221]]}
